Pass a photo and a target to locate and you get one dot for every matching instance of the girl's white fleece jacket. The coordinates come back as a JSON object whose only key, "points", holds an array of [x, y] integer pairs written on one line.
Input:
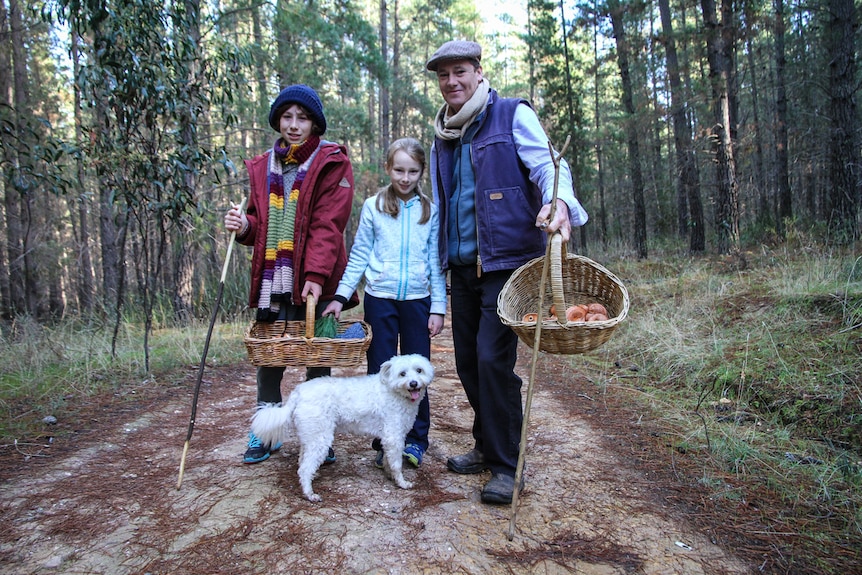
{"points": [[398, 257]]}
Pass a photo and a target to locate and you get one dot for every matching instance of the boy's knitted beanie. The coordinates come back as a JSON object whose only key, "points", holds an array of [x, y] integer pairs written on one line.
{"points": [[302, 95]]}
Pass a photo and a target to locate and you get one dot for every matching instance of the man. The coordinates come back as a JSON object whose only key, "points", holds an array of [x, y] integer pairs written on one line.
{"points": [[493, 179]]}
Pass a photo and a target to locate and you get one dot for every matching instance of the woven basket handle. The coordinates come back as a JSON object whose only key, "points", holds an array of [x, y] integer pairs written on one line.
{"points": [[310, 307], [558, 256]]}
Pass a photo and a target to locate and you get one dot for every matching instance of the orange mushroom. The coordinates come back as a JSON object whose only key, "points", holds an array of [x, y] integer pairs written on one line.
{"points": [[576, 313], [596, 317], [598, 308]]}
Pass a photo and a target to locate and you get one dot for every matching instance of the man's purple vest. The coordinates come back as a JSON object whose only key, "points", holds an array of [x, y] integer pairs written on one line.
{"points": [[507, 202]]}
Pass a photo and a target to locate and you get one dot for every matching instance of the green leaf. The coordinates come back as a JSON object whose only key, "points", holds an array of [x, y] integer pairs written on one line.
{"points": [[326, 326]]}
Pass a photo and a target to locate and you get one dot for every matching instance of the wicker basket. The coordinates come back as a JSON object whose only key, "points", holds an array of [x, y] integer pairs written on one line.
{"points": [[292, 344], [573, 280]]}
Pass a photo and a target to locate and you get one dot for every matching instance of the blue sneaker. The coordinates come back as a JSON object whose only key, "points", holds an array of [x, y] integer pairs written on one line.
{"points": [[413, 453], [257, 451]]}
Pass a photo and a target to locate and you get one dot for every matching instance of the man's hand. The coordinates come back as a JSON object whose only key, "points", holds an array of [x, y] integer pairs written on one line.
{"points": [[560, 222]]}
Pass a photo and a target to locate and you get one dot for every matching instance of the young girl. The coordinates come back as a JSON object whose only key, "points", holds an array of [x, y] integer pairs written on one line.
{"points": [[396, 252], [300, 202]]}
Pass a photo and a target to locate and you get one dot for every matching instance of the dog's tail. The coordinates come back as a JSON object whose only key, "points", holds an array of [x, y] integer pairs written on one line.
{"points": [[269, 423]]}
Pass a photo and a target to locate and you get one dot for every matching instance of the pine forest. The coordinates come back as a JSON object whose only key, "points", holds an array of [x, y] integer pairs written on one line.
{"points": [[124, 125]]}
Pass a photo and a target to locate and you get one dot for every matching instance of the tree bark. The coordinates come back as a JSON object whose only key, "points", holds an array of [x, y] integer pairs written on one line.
{"points": [[185, 248], [727, 194], [383, 124], [728, 29], [688, 186], [782, 162], [759, 177], [844, 192], [263, 99], [575, 162], [84, 267], [56, 288], [7, 304], [397, 127], [600, 172], [635, 173], [16, 214], [110, 223]]}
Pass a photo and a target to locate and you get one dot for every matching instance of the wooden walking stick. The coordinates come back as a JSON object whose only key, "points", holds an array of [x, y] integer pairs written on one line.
{"points": [[519, 470], [206, 350]]}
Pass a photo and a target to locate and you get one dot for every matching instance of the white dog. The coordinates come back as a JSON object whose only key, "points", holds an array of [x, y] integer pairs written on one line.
{"points": [[382, 405]]}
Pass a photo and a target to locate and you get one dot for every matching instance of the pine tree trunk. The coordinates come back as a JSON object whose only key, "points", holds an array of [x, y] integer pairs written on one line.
{"points": [[575, 149], [185, 248], [844, 192], [759, 177], [18, 197], [782, 163], [110, 223], [84, 263], [401, 106], [600, 172], [383, 124], [260, 119], [727, 194], [9, 296], [635, 173], [688, 186]]}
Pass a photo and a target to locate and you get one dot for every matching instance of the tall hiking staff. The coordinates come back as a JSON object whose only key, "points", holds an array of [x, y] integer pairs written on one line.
{"points": [[206, 350], [519, 469]]}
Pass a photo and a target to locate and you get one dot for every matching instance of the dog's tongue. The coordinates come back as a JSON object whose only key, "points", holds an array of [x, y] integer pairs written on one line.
{"points": [[414, 395]]}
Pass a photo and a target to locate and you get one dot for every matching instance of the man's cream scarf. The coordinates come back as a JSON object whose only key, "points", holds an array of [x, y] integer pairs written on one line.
{"points": [[450, 127]]}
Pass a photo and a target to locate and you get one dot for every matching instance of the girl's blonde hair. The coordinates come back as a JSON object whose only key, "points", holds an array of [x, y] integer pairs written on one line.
{"points": [[387, 198]]}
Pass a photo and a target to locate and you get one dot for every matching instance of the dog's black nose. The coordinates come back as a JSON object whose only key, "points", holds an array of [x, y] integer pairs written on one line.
{"points": [[414, 384]]}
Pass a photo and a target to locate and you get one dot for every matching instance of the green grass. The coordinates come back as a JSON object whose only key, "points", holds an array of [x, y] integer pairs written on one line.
{"points": [[46, 370], [753, 363]]}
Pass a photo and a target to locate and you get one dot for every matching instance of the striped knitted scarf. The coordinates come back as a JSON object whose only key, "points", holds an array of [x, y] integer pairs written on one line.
{"points": [[287, 168]]}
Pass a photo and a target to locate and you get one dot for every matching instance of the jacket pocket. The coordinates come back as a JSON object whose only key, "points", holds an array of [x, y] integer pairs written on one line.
{"points": [[510, 223]]}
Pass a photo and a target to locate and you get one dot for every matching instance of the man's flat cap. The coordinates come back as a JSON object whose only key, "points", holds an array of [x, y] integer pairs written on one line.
{"points": [[455, 50]]}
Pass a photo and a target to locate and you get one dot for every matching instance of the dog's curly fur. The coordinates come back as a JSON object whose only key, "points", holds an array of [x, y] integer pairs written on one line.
{"points": [[382, 405]]}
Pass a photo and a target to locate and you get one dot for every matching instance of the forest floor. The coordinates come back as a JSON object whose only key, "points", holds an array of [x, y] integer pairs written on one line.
{"points": [[603, 493]]}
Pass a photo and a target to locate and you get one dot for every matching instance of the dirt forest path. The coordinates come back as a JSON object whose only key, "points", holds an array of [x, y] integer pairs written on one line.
{"points": [[104, 501]]}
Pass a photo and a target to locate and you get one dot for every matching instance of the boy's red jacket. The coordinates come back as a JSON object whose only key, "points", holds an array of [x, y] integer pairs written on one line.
{"points": [[322, 212]]}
